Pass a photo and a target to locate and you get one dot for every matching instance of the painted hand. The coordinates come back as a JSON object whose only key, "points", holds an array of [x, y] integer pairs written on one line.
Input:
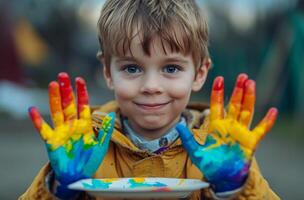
{"points": [[74, 151], [226, 156]]}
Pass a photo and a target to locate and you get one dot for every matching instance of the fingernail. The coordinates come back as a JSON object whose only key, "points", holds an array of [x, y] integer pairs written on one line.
{"points": [[241, 80], [218, 83]]}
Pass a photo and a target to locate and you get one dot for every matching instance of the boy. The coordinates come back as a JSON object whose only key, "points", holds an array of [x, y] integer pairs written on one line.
{"points": [[154, 54]]}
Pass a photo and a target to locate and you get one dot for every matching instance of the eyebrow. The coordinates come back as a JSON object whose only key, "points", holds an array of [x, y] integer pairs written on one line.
{"points": [[166, 60], [176, 59]]}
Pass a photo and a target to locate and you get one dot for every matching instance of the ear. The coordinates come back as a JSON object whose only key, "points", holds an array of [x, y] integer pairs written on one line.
{"points": [[201, 75], [107, 74]]}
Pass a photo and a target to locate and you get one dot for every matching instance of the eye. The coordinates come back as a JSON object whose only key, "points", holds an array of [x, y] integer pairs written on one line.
{"points": [[132, 69], [171, 69]]}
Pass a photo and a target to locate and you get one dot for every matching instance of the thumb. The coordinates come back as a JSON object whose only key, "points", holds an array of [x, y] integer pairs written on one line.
{"points": [[104, 136], [106, 129], [187, 138]]}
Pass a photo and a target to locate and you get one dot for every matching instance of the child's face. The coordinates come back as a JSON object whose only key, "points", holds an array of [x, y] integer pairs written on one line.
{"points": [[152, 91]]}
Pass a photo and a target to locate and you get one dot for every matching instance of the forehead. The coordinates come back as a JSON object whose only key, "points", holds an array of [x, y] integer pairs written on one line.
{"points": [[158, 54], [156, 47], [147, 43]]}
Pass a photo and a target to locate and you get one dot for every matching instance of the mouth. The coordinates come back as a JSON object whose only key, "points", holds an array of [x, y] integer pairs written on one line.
{"points": [[152, 106]]}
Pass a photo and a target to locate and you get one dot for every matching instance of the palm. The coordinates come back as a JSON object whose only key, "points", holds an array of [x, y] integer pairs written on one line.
{"points": [[226, 155], [74, 150]]}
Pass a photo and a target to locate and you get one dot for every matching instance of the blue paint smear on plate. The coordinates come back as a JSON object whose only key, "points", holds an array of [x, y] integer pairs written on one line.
{"points": [[97, 184]]}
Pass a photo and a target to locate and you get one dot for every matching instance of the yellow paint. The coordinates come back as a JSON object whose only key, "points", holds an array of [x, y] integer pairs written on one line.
{"points": [[46, 131], [110, 180], [139, 180], [72, 130], [70, 111], [259, 131], [57, 118], [216, 112], [245, 117], [237, 133], [105, 126], [106, 122], [233, 111], [220, 126], [241, 134], [85, 113]]}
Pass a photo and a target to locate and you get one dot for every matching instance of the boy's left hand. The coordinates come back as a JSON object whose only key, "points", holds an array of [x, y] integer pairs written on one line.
{"points": [[226, 156], [75, 151]]}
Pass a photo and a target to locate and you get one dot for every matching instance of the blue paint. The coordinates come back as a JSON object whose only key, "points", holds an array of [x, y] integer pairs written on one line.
{"points": [[82, 160], [225, 166], [97, 184]]}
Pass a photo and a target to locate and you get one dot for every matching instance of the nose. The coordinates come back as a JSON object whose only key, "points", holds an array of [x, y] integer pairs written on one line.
{"points": [[151, 84]]}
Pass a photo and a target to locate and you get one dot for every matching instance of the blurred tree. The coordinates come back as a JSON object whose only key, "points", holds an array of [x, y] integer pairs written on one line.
{"points": [[10, 66], [283, 66]]}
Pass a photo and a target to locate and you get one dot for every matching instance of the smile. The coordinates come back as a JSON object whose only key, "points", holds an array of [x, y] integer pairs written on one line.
{"points": [[152, 106]]}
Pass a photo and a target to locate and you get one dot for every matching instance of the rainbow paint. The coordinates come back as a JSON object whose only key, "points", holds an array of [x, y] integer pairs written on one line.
{"points": [[73, 149], [126, 184], [226, 156], [140, 182]]}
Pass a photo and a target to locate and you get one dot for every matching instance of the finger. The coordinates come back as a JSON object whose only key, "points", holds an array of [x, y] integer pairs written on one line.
{"points": [[235, 103], [217, 99], [43, 128], [187, 138], [266, 124], [55, 104], [107, 128], [247, 109], [67, 97], [82, 99]]}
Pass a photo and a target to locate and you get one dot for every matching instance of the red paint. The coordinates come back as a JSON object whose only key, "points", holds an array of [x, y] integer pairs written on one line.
{"points": [[270, 118], [241, 79], [250, 87], [66, 90], [218, 83], [82, 93], [35, 117], [217, 93]]}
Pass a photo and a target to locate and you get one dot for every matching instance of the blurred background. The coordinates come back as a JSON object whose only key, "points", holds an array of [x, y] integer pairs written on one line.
{"points": [[39, 38]]}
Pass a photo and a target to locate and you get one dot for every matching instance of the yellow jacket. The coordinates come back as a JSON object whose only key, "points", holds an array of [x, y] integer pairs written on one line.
{"points": [[124, 159]]}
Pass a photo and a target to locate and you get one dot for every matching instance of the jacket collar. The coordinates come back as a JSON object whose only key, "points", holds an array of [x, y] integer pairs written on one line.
{"points": [[195, 115]]}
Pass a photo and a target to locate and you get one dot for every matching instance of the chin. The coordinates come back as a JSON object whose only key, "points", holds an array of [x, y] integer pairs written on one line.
{"points": [[155, 122], [152, 125], [152, 122]]}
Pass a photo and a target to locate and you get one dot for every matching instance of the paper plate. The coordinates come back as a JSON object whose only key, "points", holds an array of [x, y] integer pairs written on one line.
{"points": [[139, 187]]}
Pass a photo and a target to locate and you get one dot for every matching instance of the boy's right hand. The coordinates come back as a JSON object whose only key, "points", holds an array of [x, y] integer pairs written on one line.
{"points": [[225, 157], [74, 151]]}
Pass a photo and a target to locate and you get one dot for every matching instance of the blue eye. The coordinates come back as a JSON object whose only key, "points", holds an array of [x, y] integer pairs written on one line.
{"points": [[171, 69], [132, 69]]}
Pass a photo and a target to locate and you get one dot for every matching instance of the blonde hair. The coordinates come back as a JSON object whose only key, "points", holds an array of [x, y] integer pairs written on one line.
{"points": [[178, 23]]}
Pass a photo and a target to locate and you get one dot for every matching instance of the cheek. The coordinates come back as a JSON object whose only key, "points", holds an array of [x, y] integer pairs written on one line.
{"points": [[124, 90], [180, 90]]}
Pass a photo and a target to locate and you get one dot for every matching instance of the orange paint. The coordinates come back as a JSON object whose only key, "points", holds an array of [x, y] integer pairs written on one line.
{"points": [[235, 103], [217, 99]]}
